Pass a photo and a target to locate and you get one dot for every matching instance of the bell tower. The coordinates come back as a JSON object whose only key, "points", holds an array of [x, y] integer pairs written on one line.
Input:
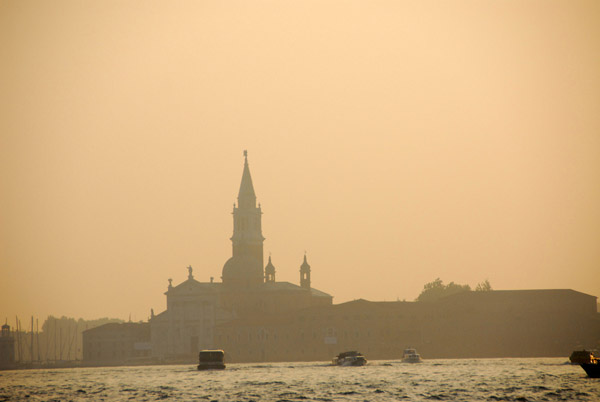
{"points": [[247, 239], [246, 264], [305, 274]]}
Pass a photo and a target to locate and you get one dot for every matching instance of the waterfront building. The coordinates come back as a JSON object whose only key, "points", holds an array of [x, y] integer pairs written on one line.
{"points": [[255, 318], [117, 343], [248, 290], [502, 323]]}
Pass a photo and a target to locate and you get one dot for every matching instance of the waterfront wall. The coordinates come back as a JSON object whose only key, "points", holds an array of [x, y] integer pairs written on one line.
{"points": [[535, 323]]}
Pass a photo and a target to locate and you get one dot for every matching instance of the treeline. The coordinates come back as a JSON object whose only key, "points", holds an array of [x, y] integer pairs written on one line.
{"points": [[436, 289], [58, 339]]}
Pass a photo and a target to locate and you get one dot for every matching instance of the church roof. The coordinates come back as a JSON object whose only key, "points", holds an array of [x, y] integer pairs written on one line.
{"points": [[160, 316], [192, 285], [143, 327], [517, 293], [287, 287]]}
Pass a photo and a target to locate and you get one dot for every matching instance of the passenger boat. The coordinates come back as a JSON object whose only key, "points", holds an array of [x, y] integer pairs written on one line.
{"points": [[211, 360], [410, 355], [352, 358], [587, 361]]}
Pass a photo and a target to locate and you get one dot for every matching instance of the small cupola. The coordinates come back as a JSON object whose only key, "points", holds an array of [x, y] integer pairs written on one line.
{"points": [[270, 272], [305, 274]]}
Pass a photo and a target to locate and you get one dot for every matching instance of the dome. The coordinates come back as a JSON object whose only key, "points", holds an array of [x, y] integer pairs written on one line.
{"points": [[242, 270]]}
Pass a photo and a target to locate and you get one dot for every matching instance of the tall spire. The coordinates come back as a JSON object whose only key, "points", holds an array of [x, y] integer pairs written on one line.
{"points": [[246, 195], [245, 267]]}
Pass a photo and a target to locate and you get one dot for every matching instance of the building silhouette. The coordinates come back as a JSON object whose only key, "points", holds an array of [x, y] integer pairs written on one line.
{"points": [[503, 323], [248, 289], [114, 342], [255, 318]]}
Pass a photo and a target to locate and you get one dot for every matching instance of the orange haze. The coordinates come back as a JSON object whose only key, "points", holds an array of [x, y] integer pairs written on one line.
{"points": [[394, 141]]}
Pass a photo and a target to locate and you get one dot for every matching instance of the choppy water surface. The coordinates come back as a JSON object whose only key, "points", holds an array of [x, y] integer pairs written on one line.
{"points": [[451, 380]]}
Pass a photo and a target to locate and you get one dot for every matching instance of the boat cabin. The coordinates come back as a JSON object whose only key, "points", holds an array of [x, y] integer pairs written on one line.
{"points": [[211, 359]]}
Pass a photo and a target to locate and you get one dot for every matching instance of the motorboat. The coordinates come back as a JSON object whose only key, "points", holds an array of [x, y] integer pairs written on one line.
{"points": [[211, 360], [588, 362], [352, 358], [410, 355]]}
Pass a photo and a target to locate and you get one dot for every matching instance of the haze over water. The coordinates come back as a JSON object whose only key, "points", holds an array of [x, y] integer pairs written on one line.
{"points": [[442, 380]]}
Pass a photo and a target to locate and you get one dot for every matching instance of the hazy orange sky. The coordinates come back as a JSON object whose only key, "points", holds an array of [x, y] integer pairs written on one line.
{"points": [[394, 141]]}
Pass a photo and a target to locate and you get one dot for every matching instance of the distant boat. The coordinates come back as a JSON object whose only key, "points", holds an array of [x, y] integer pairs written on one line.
{"points": [[587, 361], [581, 356], [211, 360], [352, 358], [411, 356]]}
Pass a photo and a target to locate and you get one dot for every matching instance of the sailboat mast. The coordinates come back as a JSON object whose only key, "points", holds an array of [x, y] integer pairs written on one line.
{"points": [[73, 339], [68, 337], [46, 339], [37, 330], [17, 336], [31, 347], [60, 341], [55, 348]]}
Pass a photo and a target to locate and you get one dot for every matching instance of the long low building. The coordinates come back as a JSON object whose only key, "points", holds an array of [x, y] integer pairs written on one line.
{"points": [[518, 323], [117, 343]]}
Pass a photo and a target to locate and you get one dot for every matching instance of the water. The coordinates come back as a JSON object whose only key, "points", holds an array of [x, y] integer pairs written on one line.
{"points": [[443, 380]]}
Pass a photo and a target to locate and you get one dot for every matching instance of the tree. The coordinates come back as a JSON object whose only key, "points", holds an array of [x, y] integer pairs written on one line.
{"points": [[436, 289], [483, 286]]}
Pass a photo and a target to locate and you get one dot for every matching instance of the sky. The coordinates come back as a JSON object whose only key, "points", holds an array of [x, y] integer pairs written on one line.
{"points": [[394, 142]]}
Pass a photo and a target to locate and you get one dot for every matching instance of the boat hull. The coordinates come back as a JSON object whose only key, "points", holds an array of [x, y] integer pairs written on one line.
{"points": [[354, 363], [592, 369]]}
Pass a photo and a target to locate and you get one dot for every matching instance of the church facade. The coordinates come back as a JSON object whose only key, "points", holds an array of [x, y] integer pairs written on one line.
{"points": [[248, 290]]}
